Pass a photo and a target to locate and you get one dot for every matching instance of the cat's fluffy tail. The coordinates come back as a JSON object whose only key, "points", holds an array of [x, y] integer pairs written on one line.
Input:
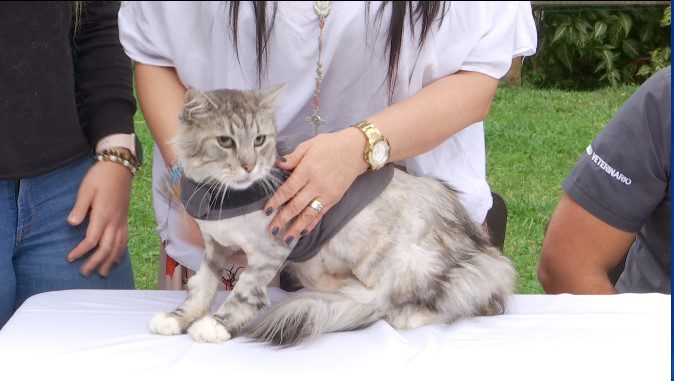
{"points": [[310, 314]]}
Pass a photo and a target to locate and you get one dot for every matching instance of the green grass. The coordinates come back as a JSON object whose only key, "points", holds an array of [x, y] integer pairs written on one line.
{"points": [[143, 238], [534, 137]]}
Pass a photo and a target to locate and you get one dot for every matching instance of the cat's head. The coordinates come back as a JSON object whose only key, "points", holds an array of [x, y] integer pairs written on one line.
{"points": [[228, 136]]}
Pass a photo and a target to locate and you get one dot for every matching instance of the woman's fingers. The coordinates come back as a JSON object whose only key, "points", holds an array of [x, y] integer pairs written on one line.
{"points": [[285, 192], [85, 196], [312, 225], [293, 184], [98, 257], [108, 261], [305, 223], [292, 209], [290, 161], [104, 194], [91, 239], [116, 253], [322, 169]]}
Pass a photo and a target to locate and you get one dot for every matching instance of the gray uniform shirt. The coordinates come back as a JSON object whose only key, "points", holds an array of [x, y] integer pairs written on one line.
{"points": [[624, 179]]}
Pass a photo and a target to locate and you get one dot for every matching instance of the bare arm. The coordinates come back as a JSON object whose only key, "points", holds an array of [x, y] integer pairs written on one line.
{"points": [[160, 94], [579, 250], [423, 121], [325, 166]]}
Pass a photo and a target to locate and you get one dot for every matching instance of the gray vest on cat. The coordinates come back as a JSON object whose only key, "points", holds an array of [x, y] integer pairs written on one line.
{"points": [[204, 203]]}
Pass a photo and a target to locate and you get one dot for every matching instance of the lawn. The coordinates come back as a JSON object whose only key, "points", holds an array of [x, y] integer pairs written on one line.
{"points": [[534, 137]]}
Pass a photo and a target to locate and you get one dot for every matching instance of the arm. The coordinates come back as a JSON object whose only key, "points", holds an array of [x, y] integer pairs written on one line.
{"points": [[413, 126], [160, 92], [593, 227], [579, 250], [103, 74], [161, 95], [104, 88], [423, 121]]}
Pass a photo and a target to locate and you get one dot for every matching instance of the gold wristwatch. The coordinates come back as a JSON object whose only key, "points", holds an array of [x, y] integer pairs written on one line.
{"points": [[377, 149]]}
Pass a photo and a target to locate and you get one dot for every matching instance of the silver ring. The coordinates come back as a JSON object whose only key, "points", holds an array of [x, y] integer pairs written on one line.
{"points": [[316, 205]]}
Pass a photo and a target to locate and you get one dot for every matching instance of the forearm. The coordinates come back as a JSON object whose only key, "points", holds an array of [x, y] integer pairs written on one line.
{"points": [[426, 119], [413, 126], [579, 250], [161, 95], [558, 279]]}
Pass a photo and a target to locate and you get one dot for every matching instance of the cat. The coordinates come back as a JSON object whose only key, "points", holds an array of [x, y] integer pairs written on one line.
{"points": [[411, 257]]}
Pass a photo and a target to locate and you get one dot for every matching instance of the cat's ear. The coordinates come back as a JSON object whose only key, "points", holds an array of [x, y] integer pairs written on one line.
{"points": [[269, 97], [196, 105]]}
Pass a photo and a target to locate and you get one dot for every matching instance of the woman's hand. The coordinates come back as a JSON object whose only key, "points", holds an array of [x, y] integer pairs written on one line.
{"points": [[106, 190], [323, 168]]}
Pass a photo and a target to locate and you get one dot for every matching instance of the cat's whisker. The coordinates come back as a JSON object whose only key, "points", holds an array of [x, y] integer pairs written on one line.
{"points": [[265, 186], [269, 187], [275, 181], [272, 187], [223, 188], [214, 182], [218, 182], [271, 182], [201, 185], [274, 176]]}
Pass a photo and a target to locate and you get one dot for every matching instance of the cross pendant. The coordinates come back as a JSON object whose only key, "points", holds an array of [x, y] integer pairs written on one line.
{"points": [[315, 120]]}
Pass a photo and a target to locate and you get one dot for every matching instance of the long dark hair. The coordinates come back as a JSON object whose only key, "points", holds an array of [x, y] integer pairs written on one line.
{"points": [[77, 7], [425, 12]]}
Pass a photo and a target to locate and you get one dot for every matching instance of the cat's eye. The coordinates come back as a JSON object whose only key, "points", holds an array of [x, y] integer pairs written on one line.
{"points": [[259, 140], [225, 141]]}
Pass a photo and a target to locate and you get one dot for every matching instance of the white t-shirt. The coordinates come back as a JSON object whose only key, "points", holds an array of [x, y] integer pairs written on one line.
{"points": [[195, 38]]}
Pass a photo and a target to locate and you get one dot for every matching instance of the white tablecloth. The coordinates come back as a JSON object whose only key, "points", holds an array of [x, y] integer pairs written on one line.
{"points": [[89, 334]]}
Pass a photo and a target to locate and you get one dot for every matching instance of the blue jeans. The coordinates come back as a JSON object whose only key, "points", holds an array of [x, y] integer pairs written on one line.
{"points": [[35, 239]]}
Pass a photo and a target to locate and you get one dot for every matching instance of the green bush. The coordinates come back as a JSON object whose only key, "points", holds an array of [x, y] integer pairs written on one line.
{"points": [[596, 47]]}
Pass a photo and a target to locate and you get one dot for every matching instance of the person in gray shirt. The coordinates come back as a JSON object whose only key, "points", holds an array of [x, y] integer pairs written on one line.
{"points": [[617, 204]]}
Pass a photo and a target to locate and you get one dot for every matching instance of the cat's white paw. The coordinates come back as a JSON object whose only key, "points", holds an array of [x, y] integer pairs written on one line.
{"points": [[208, 330], [164, 324]]}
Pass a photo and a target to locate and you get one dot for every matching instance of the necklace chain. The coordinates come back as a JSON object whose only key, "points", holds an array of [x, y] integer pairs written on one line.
{"points": [[322, 10]]}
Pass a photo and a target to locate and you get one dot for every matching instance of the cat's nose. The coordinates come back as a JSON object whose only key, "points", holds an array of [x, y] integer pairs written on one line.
{"points": [[249, 167]]}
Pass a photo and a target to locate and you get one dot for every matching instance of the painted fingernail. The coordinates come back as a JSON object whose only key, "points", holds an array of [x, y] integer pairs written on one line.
{"points": [[289, 239], [274, 231], [283, 159], [304, 232], [269, 210]]}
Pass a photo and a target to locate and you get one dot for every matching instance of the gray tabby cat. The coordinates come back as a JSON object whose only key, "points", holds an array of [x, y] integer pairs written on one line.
{"points": [[411, 257]]}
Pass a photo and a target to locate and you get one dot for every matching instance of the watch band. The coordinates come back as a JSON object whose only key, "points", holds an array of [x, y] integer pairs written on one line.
{"points": [[372, 136]]}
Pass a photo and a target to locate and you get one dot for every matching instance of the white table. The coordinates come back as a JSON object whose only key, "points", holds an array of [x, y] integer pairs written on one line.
{"points": [[89, 334]]}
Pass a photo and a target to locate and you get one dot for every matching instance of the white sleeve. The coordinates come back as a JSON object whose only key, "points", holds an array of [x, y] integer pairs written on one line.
{"points": [[507, 31], [143, 34]]}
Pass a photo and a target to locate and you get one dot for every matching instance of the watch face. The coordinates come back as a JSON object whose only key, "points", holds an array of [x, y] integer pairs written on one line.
{"points": [[380, 153]]}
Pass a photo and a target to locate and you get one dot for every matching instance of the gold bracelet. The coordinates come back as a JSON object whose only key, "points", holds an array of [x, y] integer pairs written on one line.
{"points": [[118, 157]]}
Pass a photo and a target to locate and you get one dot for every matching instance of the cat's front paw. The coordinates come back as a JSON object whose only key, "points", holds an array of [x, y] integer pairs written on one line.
{"points": [[164, 324], [208, 330]]}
